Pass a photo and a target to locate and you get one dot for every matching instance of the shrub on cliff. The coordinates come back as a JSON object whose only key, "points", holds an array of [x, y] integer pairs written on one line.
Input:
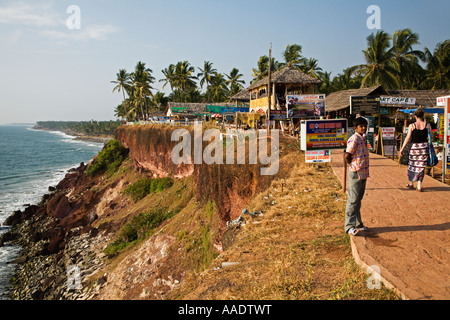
{"points": [[143, 187], [141, 226], [109, 159]]}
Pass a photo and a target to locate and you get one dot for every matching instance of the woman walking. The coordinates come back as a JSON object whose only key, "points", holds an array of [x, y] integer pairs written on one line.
{"points": [[418, 154]]}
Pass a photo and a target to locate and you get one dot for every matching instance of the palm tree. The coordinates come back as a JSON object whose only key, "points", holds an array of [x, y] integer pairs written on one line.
{"points": [[206, 74], [263, 68], [438, 67], [349, 79], [407, 58], [141, 80], [218, 88], [120, 111], [293, 56], [381, 68], [311, 67], [159, 101], [169, 74], [184, 77], [325, 77], [234, 81], [122, 82]]}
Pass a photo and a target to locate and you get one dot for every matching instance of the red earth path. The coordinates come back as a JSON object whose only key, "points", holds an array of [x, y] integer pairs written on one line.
{"points": [[410, 239]]}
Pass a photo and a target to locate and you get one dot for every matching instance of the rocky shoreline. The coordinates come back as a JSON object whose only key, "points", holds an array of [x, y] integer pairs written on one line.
{"points": [[80, 136], [61, 254]]}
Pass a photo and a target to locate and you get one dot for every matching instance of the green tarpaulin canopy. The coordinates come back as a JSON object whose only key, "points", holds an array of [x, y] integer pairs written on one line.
{"points": [[179, 109], [215, 109]]}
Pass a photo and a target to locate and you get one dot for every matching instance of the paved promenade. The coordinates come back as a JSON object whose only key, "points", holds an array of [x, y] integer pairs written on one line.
{"points": [[411, 230]]}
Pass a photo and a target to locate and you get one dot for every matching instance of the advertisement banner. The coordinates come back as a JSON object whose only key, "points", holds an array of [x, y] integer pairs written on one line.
{"points": [[369, 104], [318, 156], [447, 128], [278, 115], [388, 143], [324, 134], [305, 106]]}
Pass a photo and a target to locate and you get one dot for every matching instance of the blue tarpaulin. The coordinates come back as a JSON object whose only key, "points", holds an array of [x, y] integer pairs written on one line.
{"points": [[426, 110]]}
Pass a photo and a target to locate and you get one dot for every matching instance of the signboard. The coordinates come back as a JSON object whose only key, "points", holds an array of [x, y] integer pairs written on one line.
{"points": [[368, 104], [370, 135], [445, 102], [447, 133], [441, 101], [386, 141], [278, 115], [323, 134], [318, 156], [397, 100], [304, 106]]}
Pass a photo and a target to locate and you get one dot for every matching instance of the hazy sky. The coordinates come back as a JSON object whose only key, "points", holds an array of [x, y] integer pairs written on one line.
{"points": [[51, 72]]}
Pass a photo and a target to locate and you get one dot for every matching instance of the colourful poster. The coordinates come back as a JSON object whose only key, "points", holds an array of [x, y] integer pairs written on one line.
{"points": [[305, 106], [318, 156], [325, 134], [387, 138], [447, 128]]}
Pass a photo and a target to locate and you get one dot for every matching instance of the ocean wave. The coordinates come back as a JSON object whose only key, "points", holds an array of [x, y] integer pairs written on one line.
{"points": [[30, 192]]}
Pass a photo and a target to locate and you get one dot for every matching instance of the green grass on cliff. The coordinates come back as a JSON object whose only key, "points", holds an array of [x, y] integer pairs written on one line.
{"points": [[109, 159], [141, 226], [143, 187]]}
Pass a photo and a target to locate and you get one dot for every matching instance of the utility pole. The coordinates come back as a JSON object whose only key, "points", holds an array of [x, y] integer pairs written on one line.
{"points": [[269, 80]]}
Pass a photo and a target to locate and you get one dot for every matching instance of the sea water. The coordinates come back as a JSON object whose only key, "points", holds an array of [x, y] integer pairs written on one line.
{"points": [[31, 161]]}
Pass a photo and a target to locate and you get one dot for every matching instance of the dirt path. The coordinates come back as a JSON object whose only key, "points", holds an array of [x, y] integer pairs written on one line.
{"points": [[411, 230]]}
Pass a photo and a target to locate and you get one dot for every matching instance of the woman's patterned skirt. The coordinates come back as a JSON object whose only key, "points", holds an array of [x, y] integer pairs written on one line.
{"points": [[418, 158]]}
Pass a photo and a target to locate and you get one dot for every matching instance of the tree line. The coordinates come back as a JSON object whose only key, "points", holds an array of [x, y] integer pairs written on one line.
{"points": [[90, 128], [391, 61]]}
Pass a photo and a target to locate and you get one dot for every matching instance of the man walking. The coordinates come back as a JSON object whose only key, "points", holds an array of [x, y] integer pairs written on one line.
{"points": [[357, 156]]}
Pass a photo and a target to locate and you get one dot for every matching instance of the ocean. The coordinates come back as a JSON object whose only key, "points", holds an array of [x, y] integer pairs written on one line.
{"points": [[31, 161]]}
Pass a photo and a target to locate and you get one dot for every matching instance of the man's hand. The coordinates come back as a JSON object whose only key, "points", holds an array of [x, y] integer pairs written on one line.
{"points": [[348, 157]]}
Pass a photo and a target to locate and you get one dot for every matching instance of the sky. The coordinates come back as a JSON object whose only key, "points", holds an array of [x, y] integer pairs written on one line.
{"points": [[58, 64]]}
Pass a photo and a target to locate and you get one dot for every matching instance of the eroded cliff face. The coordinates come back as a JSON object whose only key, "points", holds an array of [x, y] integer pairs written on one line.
{"points": [[150, 148], [230, 186]]}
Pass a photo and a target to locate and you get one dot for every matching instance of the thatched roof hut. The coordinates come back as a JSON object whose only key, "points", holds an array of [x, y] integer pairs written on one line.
{"points": [[424, 98], [243, 96], [287, 75], [340, 100], [287, 80]]}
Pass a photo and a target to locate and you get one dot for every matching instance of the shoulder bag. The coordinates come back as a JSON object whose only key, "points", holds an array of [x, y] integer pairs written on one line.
{"points": [[432, 158]]}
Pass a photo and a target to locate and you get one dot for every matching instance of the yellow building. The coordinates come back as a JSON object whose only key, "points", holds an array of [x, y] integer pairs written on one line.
{"points": [[286, 81]]}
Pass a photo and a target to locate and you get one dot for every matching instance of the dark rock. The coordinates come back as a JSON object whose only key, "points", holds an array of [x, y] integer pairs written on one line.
{"points": [[29, 212], [102, 280], [7, 237], [57, 241], [36, 236], [45, 197], [13, 219], [37, 294], [19, 260], [58, 206], [47, 282], [51, 189], [94, 232]]}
